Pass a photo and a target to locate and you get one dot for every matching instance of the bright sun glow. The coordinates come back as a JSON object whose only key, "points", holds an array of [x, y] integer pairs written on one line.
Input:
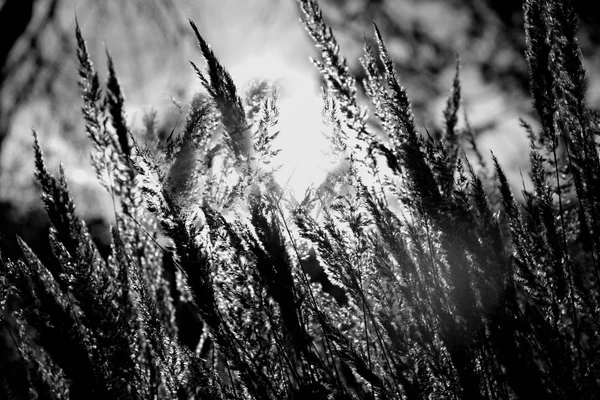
{"points": [[303, 157]]}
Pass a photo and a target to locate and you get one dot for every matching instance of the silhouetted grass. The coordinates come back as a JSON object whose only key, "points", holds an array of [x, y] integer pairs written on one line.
{"points": [[458, 292]]}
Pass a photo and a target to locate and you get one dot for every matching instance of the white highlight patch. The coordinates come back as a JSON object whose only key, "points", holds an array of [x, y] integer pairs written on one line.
{"points": [[303, 158]]}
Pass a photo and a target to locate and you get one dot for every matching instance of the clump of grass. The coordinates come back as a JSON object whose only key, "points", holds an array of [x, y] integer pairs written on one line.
{"points": [[460, 292]]}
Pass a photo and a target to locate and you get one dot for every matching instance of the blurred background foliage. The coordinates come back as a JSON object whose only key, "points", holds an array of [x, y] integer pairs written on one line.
{"points": [[151, 44]]}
